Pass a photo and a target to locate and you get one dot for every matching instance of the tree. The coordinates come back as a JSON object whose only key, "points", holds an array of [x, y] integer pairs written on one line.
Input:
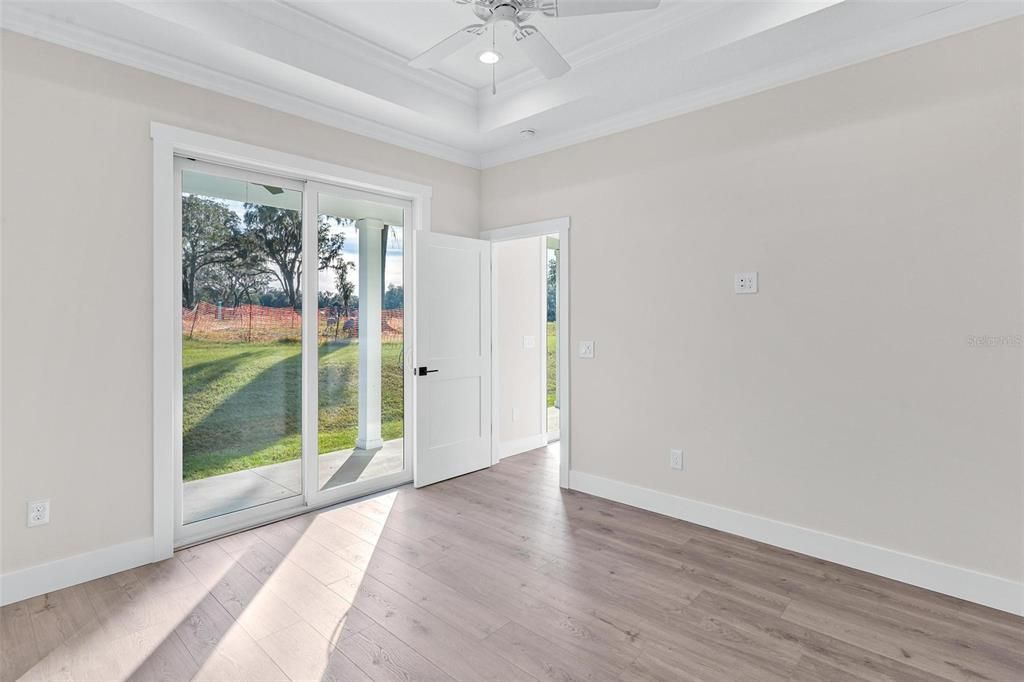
{"points": [[234, 282], [274, 235], [208, 228], [393, 297], [552, 286], [346, 287]]}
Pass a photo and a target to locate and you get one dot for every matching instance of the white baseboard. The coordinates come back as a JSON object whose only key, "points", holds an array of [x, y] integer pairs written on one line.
{"points": [[517, 446], [963, 583], [56, 575]]}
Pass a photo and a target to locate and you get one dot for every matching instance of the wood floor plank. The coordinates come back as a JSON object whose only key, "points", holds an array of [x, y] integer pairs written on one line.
{"points": [[259, 558], [500, 575], [303, 654], [333, 617], [385, 658], [59, 616], [459, 655], [439, 599], [19, 651], [259, 611], [611, 641], [696, 655], [545, 659], [238, 658], [923, 650]]}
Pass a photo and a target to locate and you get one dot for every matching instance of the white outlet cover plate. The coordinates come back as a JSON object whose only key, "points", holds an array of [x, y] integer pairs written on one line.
{"points": [[746, 282], [675, 459], [38, 513], [586, 349]]}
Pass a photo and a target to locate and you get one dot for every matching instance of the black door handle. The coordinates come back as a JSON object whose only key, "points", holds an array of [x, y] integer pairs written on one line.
{"points": [[423, 371]]}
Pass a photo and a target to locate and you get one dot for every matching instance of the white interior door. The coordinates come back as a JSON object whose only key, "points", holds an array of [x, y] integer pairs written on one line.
{"points": [[453, 355]]}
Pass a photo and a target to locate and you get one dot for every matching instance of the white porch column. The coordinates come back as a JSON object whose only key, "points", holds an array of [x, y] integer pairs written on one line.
{"points": [[371, 278]]}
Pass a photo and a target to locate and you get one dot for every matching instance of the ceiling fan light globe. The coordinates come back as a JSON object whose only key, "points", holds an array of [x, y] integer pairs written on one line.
{"points": [[489, 57]]}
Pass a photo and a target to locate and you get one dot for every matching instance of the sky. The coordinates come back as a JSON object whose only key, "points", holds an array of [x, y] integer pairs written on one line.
{"points": [[350, 252]]}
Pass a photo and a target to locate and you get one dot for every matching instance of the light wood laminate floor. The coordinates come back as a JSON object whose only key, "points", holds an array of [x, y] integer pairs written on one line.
{"points": [[499, 575]]}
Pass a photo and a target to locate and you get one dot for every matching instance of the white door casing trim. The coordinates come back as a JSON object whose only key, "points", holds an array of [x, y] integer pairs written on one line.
{"points": [[561, 227]]}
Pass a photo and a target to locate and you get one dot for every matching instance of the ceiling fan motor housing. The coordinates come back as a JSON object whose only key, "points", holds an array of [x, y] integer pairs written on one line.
{"points": [[500, 10]]}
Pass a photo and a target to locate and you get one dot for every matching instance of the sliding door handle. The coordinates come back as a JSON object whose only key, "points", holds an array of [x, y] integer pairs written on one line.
{"points": [[423, 371]]}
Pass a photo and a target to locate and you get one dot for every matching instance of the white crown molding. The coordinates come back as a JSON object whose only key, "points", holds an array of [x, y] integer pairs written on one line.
{"points": [[956, 19], [476, 149], [21, 20], [962, 583], [289, 17]]}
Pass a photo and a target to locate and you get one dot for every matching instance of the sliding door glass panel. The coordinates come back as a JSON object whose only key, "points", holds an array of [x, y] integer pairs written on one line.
{"points": [[361, 309], [241, 344]]}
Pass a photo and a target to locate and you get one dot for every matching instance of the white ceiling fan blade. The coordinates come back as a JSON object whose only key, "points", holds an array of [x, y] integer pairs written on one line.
{"points": [[447, 47], [574, 8], [542, 53]]}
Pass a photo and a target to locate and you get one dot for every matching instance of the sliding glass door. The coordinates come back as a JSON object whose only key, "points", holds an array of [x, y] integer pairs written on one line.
{"points": [[360, 368], [286, 401]]}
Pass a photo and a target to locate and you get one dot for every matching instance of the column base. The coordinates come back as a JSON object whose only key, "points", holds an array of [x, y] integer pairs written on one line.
{"points": [[371, 444]]}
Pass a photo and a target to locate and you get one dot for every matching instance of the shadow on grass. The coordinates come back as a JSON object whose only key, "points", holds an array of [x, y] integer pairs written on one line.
{"points": [[256, 416], [205, 373], [260, 421]]}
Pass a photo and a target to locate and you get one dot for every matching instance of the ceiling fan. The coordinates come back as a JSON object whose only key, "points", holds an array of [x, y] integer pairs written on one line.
{"points": [[528, 38]]}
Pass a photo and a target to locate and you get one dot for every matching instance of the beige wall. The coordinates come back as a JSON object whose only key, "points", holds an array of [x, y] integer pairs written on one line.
{"points": [[882, 206], [519, 310], [77, 277]]}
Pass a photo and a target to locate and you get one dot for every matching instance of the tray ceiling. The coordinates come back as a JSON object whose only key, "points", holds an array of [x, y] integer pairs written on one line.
{"points": [[344, 63]]}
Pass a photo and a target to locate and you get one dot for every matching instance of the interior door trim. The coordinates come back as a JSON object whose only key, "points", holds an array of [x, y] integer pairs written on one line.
{"points": [[562, 227]]}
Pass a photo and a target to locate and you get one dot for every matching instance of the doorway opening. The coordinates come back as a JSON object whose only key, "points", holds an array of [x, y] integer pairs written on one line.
{"points": [[291, 337], [552, 400], [530, 340]]}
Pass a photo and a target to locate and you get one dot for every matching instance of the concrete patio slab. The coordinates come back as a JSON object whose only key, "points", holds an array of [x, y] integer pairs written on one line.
{"points": [[226, 493]]}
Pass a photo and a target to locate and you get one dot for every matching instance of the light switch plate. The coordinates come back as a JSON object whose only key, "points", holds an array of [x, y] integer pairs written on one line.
{"points": [[529, 342], [586, 349], [746, 282]]}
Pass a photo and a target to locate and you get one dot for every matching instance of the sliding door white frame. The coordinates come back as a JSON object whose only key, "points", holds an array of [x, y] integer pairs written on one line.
{"points": [[260, 513], [561, 227], [169, 142]]}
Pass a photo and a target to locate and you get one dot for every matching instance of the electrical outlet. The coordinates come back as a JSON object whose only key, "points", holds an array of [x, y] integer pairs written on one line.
{"points": [[515, 414], [586, 349], [746, 283], [38, 513], [675, 459], [529, 342]]}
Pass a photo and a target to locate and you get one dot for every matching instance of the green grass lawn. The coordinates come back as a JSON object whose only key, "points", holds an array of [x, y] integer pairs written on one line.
{"points": [[242, 402], [552, 363]]}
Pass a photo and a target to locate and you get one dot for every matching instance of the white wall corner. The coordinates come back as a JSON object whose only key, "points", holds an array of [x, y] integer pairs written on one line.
{"points": [[962, 583], [56, 575]]}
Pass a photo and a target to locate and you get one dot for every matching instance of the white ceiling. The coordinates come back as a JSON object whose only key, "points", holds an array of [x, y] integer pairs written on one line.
{"points": [[408, 27], [343, 62]]}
